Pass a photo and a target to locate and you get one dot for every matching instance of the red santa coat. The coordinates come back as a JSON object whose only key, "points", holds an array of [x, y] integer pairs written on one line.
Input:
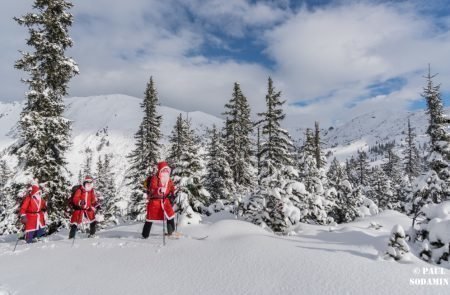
{"points": [[85, 213], [158, 204], [33, 207]]}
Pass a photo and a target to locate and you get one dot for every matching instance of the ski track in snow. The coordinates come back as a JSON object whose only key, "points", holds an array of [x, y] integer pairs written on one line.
{"points": [[236, 258]]}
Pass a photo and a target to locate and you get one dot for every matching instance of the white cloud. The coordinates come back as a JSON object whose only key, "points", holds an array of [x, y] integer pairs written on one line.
{"points": [[236, 17], [347, 48], [120, 56], [188, 84], [13, 39], [334, 51]]}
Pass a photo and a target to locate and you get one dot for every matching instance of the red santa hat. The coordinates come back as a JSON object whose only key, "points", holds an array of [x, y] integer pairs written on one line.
{"points": [[88, 179], [163, 165], [35, 189]]}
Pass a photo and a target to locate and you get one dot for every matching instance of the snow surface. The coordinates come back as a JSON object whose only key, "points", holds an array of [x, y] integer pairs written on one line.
{"points": [[374, 127], [236, 258]]}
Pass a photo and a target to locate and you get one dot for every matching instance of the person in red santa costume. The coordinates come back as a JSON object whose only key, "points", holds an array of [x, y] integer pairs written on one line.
{"points": [[159, 207], [33, 213], [84, 203]]}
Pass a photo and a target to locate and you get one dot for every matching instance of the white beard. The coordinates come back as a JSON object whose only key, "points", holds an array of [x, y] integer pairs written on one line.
{"points": [[37, 196], [88, 187], [164, 177]]}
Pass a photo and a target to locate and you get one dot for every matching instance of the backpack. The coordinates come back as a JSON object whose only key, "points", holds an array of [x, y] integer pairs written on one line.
{"points": [[147, 183], [70, 203]]}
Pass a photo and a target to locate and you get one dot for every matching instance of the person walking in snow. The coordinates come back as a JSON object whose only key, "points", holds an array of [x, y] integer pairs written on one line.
{"points": [[159, 187], [33, 213], [84, 202]]}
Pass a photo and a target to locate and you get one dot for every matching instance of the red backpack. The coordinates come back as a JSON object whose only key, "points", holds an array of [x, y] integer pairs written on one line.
{"points": [[70, 203]]}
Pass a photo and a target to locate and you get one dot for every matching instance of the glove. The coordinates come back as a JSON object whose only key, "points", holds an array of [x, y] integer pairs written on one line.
{"points": [[23, 219], [82, 203], [162, 190]]}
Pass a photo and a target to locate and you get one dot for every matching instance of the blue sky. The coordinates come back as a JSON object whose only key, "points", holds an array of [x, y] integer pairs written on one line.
{"points": [[332, 60]]}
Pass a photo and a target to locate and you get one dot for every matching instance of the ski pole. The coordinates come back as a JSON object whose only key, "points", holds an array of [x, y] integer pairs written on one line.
{"points": [[164, 222], [76, 231], [73, 241], [176, 223], [18, 238]]}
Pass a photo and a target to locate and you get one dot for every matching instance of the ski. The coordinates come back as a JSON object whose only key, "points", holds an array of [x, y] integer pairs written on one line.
{"points": [[179, 235], [198, 238]]}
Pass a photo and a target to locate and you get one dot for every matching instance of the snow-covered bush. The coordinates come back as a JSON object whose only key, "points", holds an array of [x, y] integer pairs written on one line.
{"points": [[223, 205], [434, 232], [345, 202], [184, 210], [397, 246], [368, 207]]}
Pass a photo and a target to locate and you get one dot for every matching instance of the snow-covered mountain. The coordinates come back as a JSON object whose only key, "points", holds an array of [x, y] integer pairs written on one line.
{"points": [[104, 124], [374, 128]]}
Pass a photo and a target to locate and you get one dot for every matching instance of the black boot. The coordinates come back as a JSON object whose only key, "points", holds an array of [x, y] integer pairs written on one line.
{"points": [[146, 229], [73, 231], [92, 228], [170, 226]]}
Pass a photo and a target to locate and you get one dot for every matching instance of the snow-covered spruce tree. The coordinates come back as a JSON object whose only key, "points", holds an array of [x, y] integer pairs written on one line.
{"points": [[177, 139], [271, 205], [86, 169], [184, 159], [238, 129], [315, 206], [309, 173], [397, 246], [146, 153], [434, 185], [394, 171], [318, 154], [8, 211], [379, 189], [345, 200], [432, 188], [336, 173], [258, 152], [135, 178], [219, 177], [44, 132], [392, 167], [362, 168], [8, 205], [412, 167], [411, 158], [107, 191], [5, 173], [439, 156], [352, 173]]}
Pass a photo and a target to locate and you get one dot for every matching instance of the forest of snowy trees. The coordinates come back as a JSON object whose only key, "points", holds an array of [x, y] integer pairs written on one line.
{"points": [[250, 166]]}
